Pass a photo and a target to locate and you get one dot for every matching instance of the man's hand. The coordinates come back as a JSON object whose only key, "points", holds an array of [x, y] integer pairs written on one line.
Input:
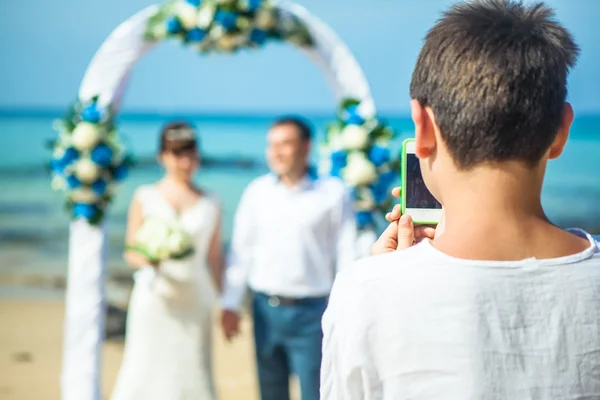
{"points": [[401, 233], [230, 322]]}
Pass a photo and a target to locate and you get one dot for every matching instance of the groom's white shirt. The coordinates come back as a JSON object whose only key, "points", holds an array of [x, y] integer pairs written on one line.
{"points": [[289, 241], [418, 324]]}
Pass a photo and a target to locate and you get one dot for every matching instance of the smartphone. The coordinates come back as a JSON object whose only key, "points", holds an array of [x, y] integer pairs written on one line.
{"points": [[417, 200]]}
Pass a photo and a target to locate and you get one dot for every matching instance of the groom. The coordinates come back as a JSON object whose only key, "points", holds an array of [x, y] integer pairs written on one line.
{"points": [[292, 232]]}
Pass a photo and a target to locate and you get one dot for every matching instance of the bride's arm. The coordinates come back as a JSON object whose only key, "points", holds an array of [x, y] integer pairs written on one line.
{"points": [[215, 256], [134, 221]]}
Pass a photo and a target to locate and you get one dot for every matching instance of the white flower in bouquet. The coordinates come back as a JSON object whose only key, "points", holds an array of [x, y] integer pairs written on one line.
{"points": [[159, 241], [178, 242], [86, 170], [359, 170], [84, 195], [187, 14], [355, 137], [58, 153], [86, 136], [205, 16]]}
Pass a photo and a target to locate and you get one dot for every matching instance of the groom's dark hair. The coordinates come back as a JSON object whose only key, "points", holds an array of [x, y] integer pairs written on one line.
{"points": [[494, 72], [301, 125]]}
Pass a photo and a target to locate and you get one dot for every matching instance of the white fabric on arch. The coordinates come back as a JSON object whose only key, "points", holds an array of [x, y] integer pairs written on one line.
{"points": [[106, 77]]}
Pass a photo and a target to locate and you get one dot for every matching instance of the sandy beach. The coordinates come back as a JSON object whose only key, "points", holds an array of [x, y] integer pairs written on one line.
{"points": [[31, 344]]}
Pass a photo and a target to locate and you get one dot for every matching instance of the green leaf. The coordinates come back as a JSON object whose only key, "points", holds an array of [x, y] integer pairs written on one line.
{"points": [[183, 255]]}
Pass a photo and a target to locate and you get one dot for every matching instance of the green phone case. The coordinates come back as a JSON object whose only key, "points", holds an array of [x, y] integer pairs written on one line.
{"points": [[403, 177]]}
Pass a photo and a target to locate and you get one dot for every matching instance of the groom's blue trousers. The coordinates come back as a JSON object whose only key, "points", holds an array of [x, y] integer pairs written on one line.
{"points": [[288, 339]]}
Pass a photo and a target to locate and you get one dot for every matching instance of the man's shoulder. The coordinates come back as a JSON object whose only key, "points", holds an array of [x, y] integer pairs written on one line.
{"points": [[384, 269], [332, 184], [260, 182]]}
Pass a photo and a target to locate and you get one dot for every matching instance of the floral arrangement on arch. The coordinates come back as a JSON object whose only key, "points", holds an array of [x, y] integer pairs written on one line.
{"points": [[225, 25], [357, 149], [88, 159]]}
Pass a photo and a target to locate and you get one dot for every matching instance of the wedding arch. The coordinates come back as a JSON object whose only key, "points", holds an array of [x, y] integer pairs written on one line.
{"points": [[89, 160]]}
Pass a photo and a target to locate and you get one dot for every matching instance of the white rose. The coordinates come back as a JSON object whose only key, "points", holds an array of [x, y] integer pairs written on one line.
{"points": [[58, 183], [265, 19], [366, 201], [354, 137], [86, 170], [84, 195], [155, 249], [216, 32], [58, 153], [176, 243], [227, 43], [205, 16], [187, 14], [85, 136], [359, 170], [336, 142], [160, 31]]}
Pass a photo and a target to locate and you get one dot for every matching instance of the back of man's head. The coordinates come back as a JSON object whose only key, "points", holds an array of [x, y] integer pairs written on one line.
{"points": [[494, 72]]}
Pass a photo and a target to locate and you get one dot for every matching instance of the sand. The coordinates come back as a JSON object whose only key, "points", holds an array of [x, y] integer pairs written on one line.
{"points": [[30, 355]]}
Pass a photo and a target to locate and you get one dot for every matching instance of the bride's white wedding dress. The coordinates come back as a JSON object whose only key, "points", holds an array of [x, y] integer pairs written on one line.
{"points": [[168, 342]]}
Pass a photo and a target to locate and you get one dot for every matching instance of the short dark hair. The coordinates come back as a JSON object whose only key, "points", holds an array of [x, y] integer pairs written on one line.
{"points": [[303, 127], [494, 72], [178, 137]]}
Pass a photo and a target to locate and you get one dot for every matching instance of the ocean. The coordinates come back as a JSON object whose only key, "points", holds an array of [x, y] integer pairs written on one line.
{"points": [[34, 227]]}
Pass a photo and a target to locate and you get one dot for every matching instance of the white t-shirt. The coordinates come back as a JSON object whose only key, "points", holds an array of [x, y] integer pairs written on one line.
{"points": [[418, 324]]}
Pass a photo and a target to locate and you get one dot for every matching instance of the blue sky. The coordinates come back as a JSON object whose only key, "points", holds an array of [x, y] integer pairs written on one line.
{"points": [[47, 46]]}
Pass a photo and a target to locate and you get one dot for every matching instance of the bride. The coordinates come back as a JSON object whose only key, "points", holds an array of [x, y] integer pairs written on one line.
{"points": [[168, 343]]}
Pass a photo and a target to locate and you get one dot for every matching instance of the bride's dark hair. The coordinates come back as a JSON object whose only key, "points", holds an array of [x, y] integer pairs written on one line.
{"points": [[178, 137]]}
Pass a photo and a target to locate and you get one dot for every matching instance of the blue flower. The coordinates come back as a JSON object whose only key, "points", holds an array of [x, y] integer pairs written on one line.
{"points": [[70, 155], [195, 3], [351, 116], [102, 155], [381, 188], [195, 35], [120, 172], [91, 114], [338, 159], [73, 182], [379, 155], [99, 187], [57, 166], [173, 25], [336, 172], [258, 36], [226, 19], [87, 211], [253, 5], [364, 219]]}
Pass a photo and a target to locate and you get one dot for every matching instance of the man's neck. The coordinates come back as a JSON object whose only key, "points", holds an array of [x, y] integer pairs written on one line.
{"points": [[496, 214], [292, 178]]}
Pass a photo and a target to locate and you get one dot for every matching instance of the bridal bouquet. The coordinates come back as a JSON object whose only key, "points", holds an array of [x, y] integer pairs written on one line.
{"points": [[159, 240]]}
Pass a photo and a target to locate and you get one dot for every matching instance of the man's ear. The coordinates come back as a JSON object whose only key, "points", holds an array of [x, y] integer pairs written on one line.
{"points": [[562, 135], [424, 120]]}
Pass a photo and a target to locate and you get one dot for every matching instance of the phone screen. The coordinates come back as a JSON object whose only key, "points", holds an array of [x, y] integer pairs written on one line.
{"points": [[417, 194]]}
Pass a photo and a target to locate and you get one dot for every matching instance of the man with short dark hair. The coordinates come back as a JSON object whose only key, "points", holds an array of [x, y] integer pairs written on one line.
{"points": [[292, 232], [500, 303]]}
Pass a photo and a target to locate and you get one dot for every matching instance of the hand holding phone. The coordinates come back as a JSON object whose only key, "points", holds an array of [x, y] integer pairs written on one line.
{"points": [[416, 200]]}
